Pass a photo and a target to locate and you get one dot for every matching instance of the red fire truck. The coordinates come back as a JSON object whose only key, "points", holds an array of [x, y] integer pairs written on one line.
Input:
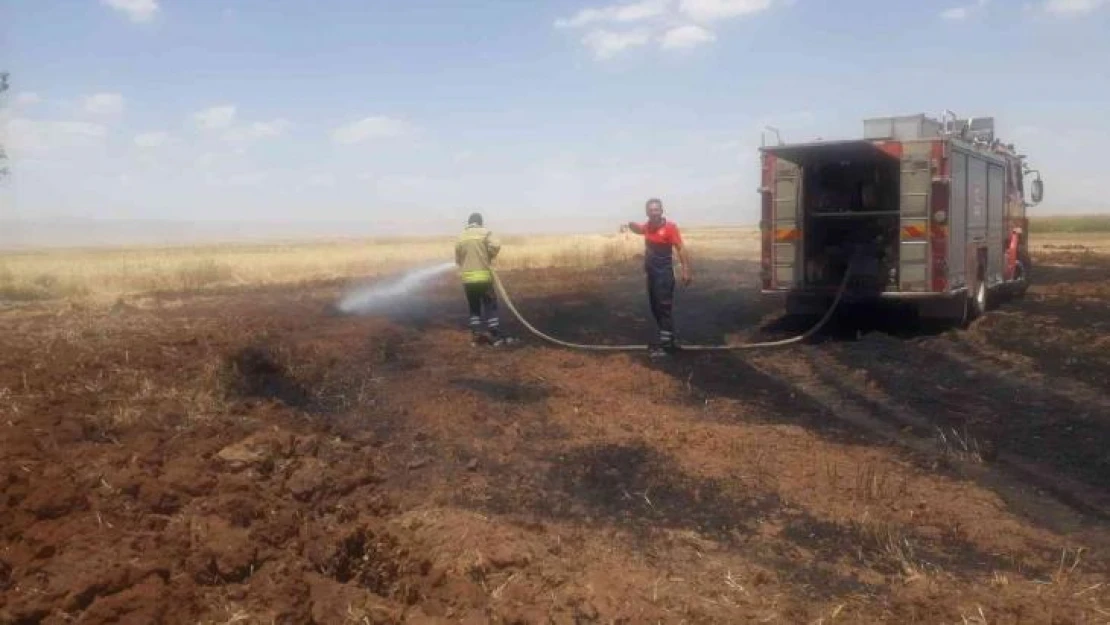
{"points": [[926, 212]]}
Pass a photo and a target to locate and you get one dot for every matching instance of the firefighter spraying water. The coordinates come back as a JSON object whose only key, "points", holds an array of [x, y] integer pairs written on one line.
{"points": [[475, 251]]}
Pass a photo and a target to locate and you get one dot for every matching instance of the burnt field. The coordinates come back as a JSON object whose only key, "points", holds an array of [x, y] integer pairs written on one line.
{"points": [[251, 457]]}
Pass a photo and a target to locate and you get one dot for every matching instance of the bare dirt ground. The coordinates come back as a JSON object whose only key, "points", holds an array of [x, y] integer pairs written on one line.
{"points": [[250, 457]]}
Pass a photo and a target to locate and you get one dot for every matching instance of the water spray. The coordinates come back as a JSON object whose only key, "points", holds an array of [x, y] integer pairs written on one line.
{"points": [[367, 299]]}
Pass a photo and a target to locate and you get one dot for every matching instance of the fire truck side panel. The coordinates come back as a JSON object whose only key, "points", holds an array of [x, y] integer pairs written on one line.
{"points": [[957, 222], [976, 217], [996, 222]]}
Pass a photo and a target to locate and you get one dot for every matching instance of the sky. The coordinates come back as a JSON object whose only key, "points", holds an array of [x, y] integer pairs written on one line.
{"points": [[541, 115]]}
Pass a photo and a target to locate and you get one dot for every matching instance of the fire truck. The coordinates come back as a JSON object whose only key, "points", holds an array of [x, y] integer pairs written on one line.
{"points": [[927, 212]]}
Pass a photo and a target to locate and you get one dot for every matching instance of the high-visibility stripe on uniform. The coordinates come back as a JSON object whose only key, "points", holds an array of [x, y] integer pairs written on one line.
{"points": [[477, 276]]}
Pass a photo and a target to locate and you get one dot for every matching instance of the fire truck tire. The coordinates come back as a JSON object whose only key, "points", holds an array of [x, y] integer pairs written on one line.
{"points": [[964, 317], [1024, 265]]}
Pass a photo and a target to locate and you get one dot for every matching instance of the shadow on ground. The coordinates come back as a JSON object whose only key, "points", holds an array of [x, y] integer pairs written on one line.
{"points": [[637, 489]]}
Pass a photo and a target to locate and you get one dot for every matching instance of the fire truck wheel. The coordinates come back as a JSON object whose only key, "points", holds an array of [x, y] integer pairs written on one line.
{"points": [[958, 311], [1024, 264]]}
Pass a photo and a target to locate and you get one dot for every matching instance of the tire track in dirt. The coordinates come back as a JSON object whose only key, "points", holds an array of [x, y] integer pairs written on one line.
{"points": [[1016, 372], [870, 410]]}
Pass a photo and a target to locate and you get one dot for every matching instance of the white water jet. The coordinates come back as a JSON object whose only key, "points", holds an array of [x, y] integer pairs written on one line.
{"points": [[369, 298]]}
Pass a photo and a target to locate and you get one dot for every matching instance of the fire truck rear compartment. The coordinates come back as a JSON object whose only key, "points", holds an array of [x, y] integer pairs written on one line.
{"points": [[850, 208]]}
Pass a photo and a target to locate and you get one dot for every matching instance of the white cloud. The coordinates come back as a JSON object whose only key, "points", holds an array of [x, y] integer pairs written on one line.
{"points": [[367, 128], [687, 36], [30, 137], [27, 98], [103, 104], [960, 13], [1072, 7], [621, 13], [135, 10], [713, 10], [618, 27], [151, 139], [215, 118], [606, 43], [256, 130]]}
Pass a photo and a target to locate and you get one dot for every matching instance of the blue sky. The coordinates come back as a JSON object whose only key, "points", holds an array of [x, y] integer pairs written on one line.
{"points": [[540, 114]]}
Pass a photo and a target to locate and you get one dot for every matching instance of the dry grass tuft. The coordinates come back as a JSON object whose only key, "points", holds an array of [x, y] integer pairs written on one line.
{"points": [[961, 446], [873, 483], [889, 543], [979, 618]]}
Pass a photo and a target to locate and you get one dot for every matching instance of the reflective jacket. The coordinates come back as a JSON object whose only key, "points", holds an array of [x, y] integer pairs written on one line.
{"points": [[474, 251]]}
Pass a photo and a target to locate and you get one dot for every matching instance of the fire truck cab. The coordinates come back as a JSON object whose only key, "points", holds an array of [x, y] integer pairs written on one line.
{"points": [[930, 213]]}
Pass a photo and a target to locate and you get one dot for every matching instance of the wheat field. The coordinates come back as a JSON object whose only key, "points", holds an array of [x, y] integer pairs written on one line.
{"points": [[105, 275]]}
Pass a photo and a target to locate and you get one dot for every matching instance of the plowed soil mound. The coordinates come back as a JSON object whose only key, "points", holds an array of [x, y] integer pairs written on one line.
{"points": [[252, 457]]}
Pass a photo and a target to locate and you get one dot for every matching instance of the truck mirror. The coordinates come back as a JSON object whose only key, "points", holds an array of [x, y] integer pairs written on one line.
{"points": [[1037, 191]]}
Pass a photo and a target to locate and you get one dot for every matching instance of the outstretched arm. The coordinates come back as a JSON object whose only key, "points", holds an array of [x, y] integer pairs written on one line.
{"points": [[635, 227]]}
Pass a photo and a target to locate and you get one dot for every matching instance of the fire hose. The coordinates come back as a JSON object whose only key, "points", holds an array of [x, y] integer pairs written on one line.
{"points": [[508, 301]]}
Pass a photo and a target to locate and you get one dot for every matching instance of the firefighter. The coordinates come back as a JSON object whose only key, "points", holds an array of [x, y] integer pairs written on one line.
{"points": [[661, 237], [474, 253]]}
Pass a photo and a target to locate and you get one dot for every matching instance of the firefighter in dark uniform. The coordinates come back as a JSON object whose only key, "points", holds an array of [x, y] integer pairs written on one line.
{"points": [[661, 239]]}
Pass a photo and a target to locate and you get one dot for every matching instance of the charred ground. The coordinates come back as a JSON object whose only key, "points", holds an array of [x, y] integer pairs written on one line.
{"points": [[253, 457]]}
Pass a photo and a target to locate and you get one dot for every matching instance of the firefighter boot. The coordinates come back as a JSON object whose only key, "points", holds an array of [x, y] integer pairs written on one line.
{"points": [[666, 346]]}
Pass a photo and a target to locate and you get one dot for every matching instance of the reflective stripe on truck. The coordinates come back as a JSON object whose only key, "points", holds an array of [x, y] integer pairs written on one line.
{"points": [[786, 226], [915, 182]]}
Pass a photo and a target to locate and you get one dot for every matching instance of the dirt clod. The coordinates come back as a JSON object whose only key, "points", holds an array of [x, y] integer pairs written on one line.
{"points": [[224, 553], [308, 479]]}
